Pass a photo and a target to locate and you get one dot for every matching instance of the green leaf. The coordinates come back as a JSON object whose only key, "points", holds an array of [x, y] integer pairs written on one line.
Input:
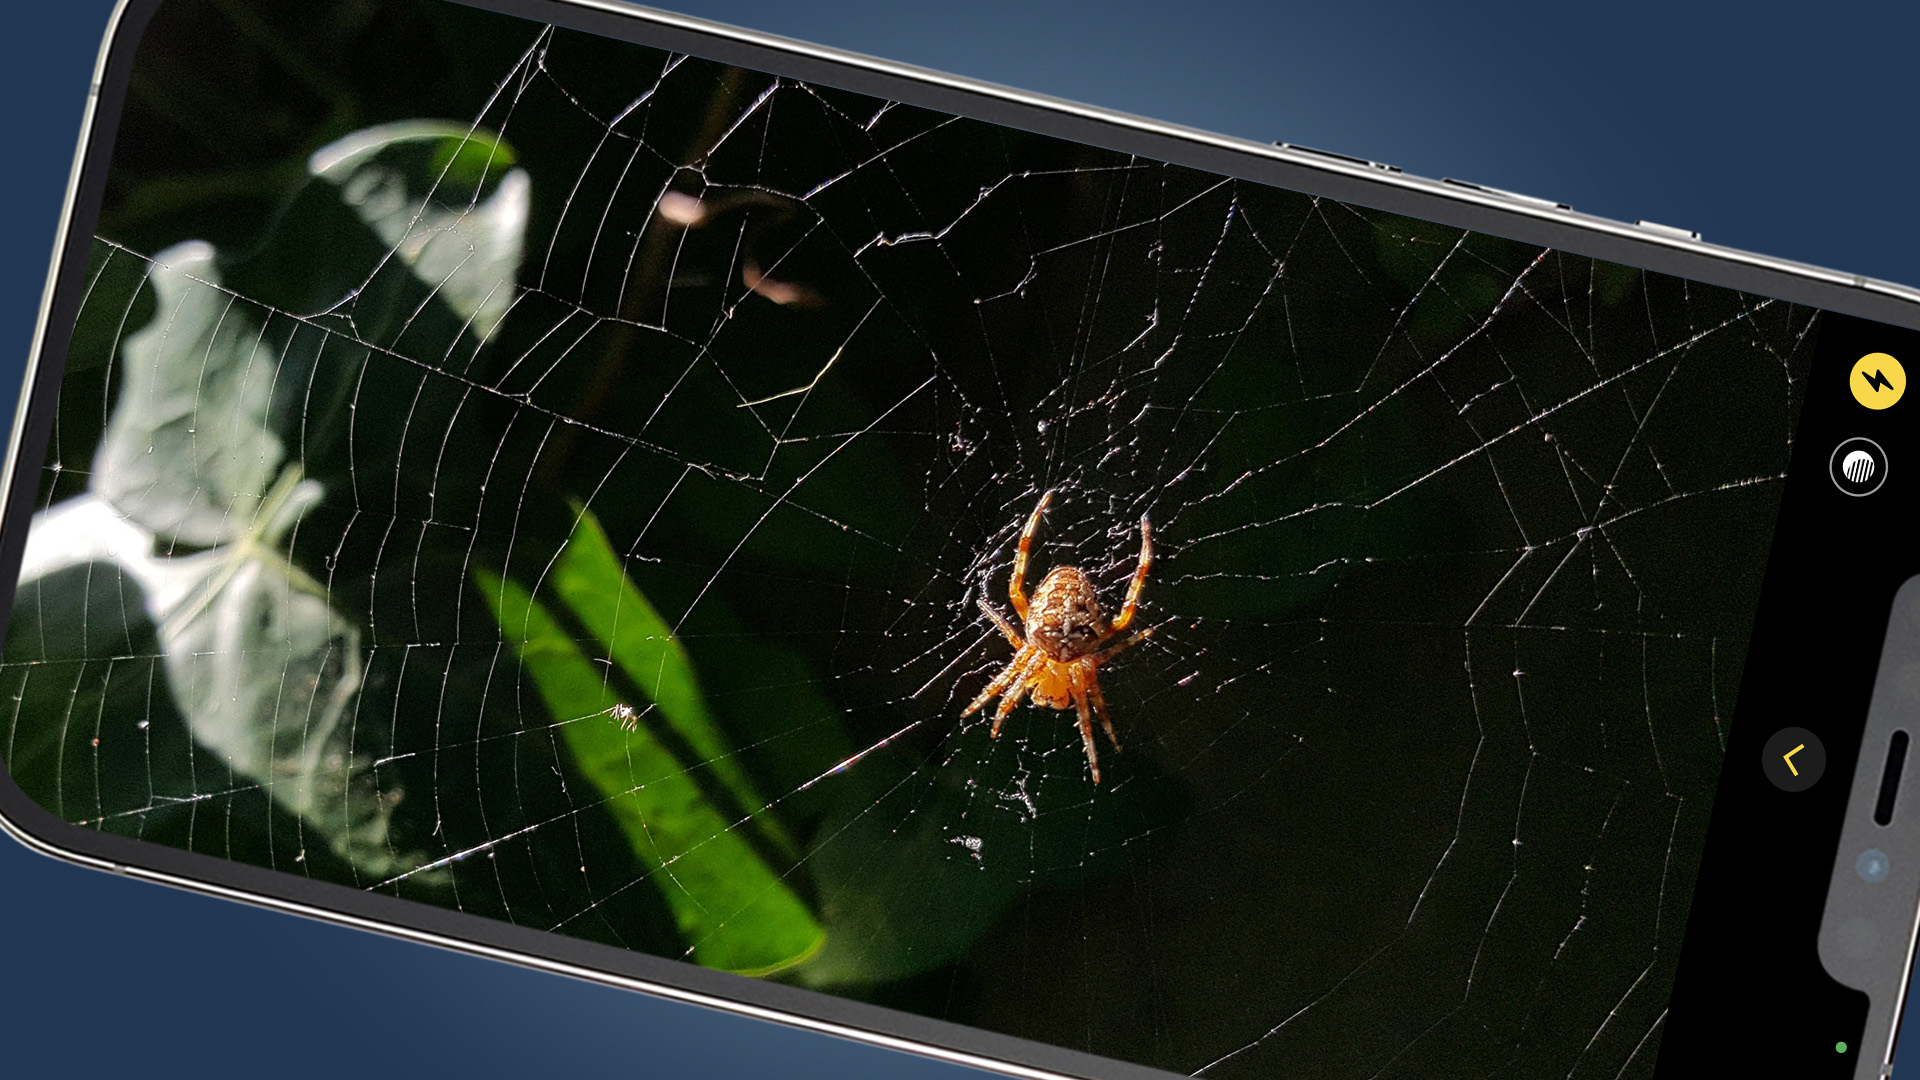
{"points": [[737, 913], [902, 893], [418, 184], [915, 866], [590, 578]]}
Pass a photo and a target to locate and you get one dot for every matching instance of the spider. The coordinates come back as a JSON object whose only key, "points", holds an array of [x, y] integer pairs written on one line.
{"points": [[1059, 658]]}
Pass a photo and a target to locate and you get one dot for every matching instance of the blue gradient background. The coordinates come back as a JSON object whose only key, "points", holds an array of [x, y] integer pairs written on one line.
{"points": [[1764, 126]]}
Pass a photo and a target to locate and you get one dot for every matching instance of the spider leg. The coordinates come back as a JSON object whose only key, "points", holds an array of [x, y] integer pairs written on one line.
{"points": [[1111, 651], [1021, 680], [1125, 617], [1076, 679], [1001, 622], [1100, 705], [1014, 669], [1016, 591]]}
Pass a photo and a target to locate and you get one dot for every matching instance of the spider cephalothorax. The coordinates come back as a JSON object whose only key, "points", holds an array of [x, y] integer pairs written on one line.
{"points": [[1058, 660]]}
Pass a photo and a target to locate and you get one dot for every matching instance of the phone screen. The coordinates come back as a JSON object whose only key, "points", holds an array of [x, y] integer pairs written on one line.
{"points": [[696, 520]]}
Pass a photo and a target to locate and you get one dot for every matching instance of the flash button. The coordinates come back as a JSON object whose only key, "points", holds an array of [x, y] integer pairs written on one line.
{"points": [[1877, 380]]}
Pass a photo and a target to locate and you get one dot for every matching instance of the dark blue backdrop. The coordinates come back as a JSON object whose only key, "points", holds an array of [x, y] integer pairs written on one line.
{"points": [[1763, 125]]}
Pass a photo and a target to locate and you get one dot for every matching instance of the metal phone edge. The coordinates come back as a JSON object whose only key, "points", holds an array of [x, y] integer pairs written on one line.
{"points": [[1537, 209], [1864, 918], [61, 233]]}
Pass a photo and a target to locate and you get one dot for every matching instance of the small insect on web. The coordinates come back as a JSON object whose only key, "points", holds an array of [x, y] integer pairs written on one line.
{"points": [[1057, 662]]}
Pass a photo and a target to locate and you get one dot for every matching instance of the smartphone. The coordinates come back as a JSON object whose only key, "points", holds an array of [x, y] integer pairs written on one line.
{"points": [[958, 570]]}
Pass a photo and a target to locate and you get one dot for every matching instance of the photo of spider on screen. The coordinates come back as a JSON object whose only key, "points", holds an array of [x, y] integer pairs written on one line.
{"points": [[742, 521]]}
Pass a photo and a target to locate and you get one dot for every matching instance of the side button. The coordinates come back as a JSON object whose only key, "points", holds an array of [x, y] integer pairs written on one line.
{"points": [[1668, 230]]}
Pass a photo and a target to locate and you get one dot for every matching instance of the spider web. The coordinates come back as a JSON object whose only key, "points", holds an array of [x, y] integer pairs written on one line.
{"points": [[1458, 542]]}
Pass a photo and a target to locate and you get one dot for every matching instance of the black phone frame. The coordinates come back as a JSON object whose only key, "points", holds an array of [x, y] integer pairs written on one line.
{"points": [[1663, 250]]}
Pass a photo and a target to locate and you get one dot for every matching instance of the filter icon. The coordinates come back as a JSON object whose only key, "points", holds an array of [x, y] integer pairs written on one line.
{"points": [[1858, 466]]}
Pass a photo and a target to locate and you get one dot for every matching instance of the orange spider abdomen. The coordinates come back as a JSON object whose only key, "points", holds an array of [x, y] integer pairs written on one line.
{"points": [[1052, 688], [1064, 618]]}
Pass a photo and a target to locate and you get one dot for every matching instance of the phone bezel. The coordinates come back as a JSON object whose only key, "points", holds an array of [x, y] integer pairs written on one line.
{"points": [[1653, 248]]}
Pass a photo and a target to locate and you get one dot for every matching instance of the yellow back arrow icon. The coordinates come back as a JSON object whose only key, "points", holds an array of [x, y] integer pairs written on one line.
{"points": [[1788, 757]]}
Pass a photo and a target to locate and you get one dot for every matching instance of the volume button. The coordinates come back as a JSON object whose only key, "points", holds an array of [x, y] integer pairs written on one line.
{"points": [[1667, 230], [1348, 158], [1530, 200]]}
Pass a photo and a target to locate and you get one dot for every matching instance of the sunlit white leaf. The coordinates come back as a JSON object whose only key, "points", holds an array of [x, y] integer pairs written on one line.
{"points": [[187, 453], [467, 249]]}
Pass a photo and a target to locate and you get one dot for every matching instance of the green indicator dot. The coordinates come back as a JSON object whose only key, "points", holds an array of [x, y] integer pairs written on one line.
{"points": [[1839, 1048]]}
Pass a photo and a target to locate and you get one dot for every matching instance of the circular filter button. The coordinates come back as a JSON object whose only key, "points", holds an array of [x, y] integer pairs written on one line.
{"points": [[1858, 466]]}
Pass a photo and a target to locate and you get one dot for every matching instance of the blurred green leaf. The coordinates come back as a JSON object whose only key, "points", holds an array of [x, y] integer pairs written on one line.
{"points": [[264, 671], [903, 899], [916, 865], [262, 668], [737, 913]]}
